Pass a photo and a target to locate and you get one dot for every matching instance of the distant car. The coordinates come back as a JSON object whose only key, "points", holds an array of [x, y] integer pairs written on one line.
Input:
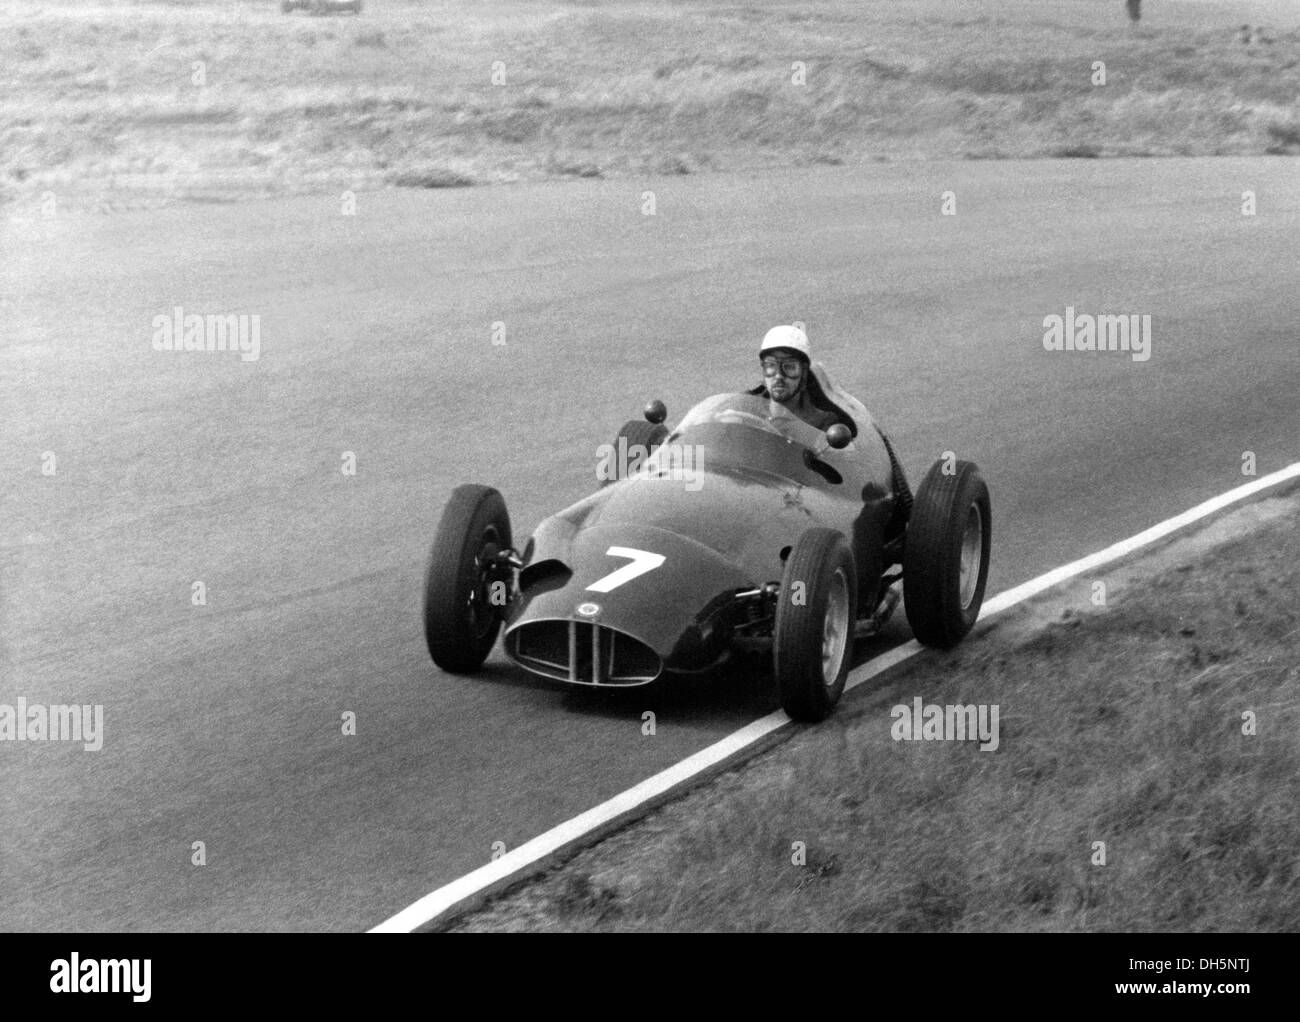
{"points": [[322, 6], [744, 523]]}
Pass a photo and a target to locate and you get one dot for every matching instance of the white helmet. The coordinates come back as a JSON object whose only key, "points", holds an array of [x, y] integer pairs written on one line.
{"points": [[786, 337]]}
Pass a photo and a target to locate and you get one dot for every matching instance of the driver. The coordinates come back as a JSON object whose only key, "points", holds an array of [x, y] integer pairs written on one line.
{"points": [[787, 370], [788, 379]]}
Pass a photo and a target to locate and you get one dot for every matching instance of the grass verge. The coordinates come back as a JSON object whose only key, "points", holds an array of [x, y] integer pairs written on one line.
{"points": [[1123, 723], [157, 101]]}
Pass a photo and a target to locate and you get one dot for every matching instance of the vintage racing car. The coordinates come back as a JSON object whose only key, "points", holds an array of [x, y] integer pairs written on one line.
{"points": [[742, 524]]}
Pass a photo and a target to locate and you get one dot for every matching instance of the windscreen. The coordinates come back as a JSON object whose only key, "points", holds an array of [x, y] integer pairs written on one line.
{"points": [[751, 411]]}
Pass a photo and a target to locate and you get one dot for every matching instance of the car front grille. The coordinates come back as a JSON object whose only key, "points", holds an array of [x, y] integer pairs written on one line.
{"points": [[582, 653]]}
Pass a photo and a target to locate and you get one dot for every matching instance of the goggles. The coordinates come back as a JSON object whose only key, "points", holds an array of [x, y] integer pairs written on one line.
{"points": [[787, 366]]}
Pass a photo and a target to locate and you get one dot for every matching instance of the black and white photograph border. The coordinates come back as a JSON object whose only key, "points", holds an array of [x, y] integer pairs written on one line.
{"points": [[620, 466]]}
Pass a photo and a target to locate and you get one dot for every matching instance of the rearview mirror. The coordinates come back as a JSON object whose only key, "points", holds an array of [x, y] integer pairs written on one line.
{"points": [[656, 412], [838, 436]]}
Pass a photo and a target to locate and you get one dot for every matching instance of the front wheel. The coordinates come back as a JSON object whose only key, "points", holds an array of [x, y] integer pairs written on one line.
{"points": [[812, 647], [946, 554], [465, 592]]}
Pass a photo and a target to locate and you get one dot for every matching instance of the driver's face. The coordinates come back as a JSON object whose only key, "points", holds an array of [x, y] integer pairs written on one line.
{"points": [[783, 372]]}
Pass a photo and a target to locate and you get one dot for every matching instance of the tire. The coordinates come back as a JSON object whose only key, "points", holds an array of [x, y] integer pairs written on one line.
{"points": [[460, 624], [812, 647], [636, 433], [951, 526]]}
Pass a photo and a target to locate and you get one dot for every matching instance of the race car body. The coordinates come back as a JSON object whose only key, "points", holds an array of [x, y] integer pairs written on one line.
{"points": [[744, 522], [657, 557]]}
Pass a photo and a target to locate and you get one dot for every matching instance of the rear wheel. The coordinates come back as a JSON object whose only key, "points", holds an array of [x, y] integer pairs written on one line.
{"points": [[633, 444], [946, 556], [812, 646], [465, 591]]}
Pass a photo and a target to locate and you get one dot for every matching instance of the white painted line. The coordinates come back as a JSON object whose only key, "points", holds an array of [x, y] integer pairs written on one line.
{"points": [[1056, 576], [554, 840], [432, 905], [498, 873], [877, 665]]}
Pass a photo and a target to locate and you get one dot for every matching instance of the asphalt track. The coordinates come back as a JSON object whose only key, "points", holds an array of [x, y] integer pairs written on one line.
{"points": [[222, 722]]}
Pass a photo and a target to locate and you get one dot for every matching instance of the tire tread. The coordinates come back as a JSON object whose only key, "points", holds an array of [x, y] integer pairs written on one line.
{"points": [[796, 658], [468, 512]]}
